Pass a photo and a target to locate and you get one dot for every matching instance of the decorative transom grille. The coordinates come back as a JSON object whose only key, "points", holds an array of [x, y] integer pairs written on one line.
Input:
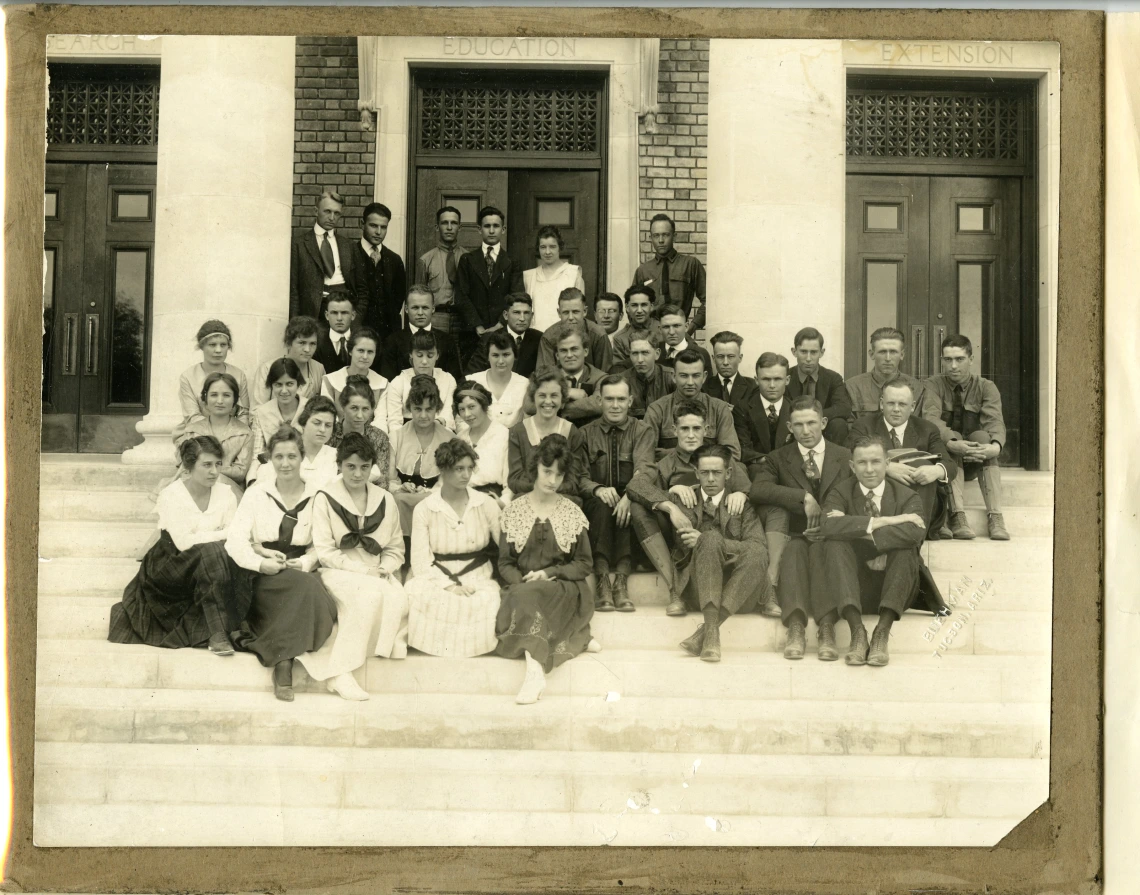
{"points": [[102, 111], [509, 119], [882, 124]]}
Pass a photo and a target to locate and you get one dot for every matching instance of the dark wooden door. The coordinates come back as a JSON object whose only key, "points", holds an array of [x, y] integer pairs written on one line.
{"points": [[98, 258], [467, 189]]}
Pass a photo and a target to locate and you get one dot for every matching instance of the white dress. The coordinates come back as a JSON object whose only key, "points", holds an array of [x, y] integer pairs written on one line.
{"points": [[333, 384], [397, 395], [507, 408], [372, 612], [545, 288], [494, 463], [440, 622]]}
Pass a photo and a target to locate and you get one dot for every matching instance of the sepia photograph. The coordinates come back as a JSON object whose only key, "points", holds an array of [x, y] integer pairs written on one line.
{"points": [[546, 441]]}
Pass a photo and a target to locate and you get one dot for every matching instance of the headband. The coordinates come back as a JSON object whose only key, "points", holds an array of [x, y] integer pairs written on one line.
{"points": [[471, 393], [220, 329]]}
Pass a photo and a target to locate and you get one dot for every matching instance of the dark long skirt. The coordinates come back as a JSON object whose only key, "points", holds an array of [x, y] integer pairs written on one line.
{"points": [[291, 613], [548, 619], [179, 598]]}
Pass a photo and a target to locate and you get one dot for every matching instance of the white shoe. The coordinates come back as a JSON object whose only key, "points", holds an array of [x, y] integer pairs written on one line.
{"points": [[593, 646], [533, 684], [346, 687]]}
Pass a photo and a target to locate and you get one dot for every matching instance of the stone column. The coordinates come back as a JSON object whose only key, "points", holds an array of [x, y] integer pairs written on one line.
{"points": [[776, 192], [224, 202]]}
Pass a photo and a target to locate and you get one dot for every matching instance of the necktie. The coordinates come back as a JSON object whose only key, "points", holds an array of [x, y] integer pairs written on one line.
{"points": [[727, 387], [895, 443], [773, 421], [327, 260], [342, 353], [664, 281], [490, 259], [670, 353], [375, 254], [449, 265], [288, 523], [869, 505], [809, 387], [956, 421], [811, 470]]}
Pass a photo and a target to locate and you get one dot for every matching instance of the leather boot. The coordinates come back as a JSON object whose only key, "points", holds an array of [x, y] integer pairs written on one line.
{"points": [[710, 651], [857, 652], [769, 604], [693, 643], [283, 680], [998, 531], [960, 527], [604, 601], [676, 606], [621, 594], [827, 651], [797, 641], [878, 655]]}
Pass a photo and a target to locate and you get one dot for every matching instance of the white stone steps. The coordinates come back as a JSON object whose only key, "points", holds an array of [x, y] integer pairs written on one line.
{"points": [[100, 472], [97, 505], [113, 540]]}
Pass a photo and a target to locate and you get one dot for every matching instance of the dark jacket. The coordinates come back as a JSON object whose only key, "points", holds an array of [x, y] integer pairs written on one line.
{"points": [[779, 480], [482, 300], [526, 358], [326, 354], [307, 274], [380, 290], [743, 388], [394, 356], [920, 435], [671, 362], [751, 421], [829, 391]]}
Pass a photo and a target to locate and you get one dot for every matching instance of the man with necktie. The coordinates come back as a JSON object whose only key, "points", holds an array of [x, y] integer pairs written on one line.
{"points": [[380, 281], [320, 261], [675, 277], [484, 277], [762, 418], [438, 268], [332, 346], [872, 528], [582, 377], [728, 384], [672, 321], [572, 311], [808, 378], [527, 340], [419, 314]]}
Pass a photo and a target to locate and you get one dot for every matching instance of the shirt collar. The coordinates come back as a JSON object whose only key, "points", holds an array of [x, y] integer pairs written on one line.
{"points": [[804, 377], [419, 329], [494, 250], [608, 427], [320, 232], [900, 430], [445, 248], [777, 404], [671, 257], [368, 247], [881, 382], [818, 449], [878, 492], [335, 337], [731, 380], [715, 500], [681, 346]]}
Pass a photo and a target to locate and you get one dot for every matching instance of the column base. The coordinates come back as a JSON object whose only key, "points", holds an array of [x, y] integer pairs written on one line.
{"points": [[157, 448]]}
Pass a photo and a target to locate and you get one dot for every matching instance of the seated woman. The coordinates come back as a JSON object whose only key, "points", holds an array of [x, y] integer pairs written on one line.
{"points": [[219, 397], [357, 410], [548, 392], [423, 356], [318, 466], [544, 558], [271, 539], [453, 597], [215, 341], [284, 406], [508, 389], [301, 340], [489, 437], [362, 346], [183, 594], [356, 533], [412, 472]]}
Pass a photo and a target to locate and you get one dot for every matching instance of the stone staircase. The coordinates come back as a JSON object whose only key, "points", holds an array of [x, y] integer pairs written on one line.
{"points": [[636, 745]]}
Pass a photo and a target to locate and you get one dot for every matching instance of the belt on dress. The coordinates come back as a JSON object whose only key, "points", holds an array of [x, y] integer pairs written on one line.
{"points": [[291, 551], [475, 559], [417, 479]]}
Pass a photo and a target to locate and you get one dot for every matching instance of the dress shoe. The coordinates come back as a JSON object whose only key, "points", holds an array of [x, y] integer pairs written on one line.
{"points": [[220, 645], [945, 533], [878, 654], [593, 646], [604, 601], [346, 687], [857, 653], [283, 680], [827, 651], [998, 530], [960, 527], [676, 607], [692, 644], [710, 652], [621, 594], [797, 641], [533, 684], [771, 608]]}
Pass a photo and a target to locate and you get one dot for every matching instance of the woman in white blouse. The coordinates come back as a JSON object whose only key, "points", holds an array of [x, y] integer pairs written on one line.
{"points": [[545, 282], [362, 348], [423, 356], [271, 538], [412, 472], [356, 533], [215, 342], [183, 593], [284, 406], [317, 420], [452, 594], [490, 438], [507, 388]]}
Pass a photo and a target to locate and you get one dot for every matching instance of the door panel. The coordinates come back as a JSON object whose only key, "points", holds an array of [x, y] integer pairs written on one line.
{"points": [[468, 189]]}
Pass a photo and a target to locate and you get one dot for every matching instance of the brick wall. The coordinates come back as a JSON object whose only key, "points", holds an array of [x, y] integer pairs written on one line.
{"points": [[674, 158], [330, 149]]}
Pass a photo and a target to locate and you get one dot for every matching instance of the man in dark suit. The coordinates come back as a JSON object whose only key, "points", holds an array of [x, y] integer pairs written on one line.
{"points": [[582, 377], [378, 276], [333, 344], [394, 357], [727, 383], [516, 318], [484, 278], [674, 328], [807, 377], [873, 529], [320, 261], [762, 420], [791, 484], [900, 430]]}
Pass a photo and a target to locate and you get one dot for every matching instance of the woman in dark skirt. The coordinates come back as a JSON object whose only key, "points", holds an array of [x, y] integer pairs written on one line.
{"points": [[183, 593], [544, 557], [271, 540]]}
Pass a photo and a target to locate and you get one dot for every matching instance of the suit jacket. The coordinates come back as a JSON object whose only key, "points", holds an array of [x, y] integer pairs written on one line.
{"points": [[481, 300], [742, 388], [326, 354], [742, 533], [779, 480], [380, 289], [670, 362], [829, 391], [920, 435], [751, 420], [526, 359], [393, 357], [307, 274]]}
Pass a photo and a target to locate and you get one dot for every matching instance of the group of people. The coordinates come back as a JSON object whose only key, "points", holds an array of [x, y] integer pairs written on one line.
{"points": [[448, 476]]}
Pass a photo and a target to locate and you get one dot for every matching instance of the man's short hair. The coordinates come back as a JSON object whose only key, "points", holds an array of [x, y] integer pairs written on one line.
{"points": [[641, 289], [652, 336], [330, 193], [723, 451], [726, 336], [376, 208], [866, 441], [805, 402], [899, 383], [446, 209], [571, 294], [340, 296], [690, 356], [689, 408], [771, 359], [300, 328], [808, 333], [958, 341], [657, 218], [612, 379], [669, 311], [489, 210], [419, 289], [609, 296], [886, 332], [520, 298], [565, 330]]}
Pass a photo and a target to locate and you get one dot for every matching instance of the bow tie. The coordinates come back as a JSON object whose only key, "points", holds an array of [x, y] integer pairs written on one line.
{"points": [[357, 539]]}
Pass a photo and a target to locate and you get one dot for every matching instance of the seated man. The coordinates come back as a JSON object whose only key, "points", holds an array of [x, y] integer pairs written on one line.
{"points": [[793, 481], [973, 430], [516, 320], [656, 518], [572, 310], [723, 553], [897, 427], [648, 380], [826, 386], [639, 301], [332, 346], [728, 384], [581, 377], [419, 308], [618, 447], [887, 351], [608, 313], [873, 529], [689, 374], [674, 328], [762, 419]]}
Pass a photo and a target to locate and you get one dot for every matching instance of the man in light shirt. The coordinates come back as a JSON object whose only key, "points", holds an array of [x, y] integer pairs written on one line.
{"points": [[320, 261], [438, 268]]}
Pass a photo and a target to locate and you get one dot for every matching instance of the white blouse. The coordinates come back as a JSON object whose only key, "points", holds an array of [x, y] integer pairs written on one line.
{"points": [[397, 395], [493, 449], [315, 471], [189, 526], [507, 408], [436, 529], [267, 419], [333, 384], [544, 289], [258, 521], [328, 529]]}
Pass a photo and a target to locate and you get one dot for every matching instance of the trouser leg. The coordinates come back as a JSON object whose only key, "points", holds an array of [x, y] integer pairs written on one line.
{"points": [[899, 580], [958, 492], [745, 573], [836, 431], [795, 588], [841, 573], [709, 560], [989, 479], [602, 526], [776, 523]]}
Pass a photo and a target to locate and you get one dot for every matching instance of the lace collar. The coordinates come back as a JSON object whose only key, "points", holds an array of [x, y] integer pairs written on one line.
{"points": [[566, 519]]}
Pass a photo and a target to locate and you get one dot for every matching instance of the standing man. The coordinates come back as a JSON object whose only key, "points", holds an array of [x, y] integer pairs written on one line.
{"points": [[728, 384], [973, 430], [582, 378], [762, 421], [676, 278], [672, 320], [419, 309], [438, 269], [380, 281], [320, 261], [618, 447], [608, 313], [484, 278], [639, 301], [516, 319], [826, 386], [572, 310], [689, 374], [332, 346], [888, 346]]}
